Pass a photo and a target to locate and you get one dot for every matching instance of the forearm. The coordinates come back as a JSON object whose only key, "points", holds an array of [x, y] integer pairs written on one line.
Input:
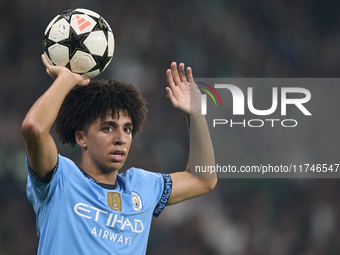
{"points": [[187, 184], [201, 148], [40, 146]]}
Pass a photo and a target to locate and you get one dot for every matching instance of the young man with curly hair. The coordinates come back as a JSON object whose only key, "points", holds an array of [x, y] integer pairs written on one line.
{"points": [[91, 208]]}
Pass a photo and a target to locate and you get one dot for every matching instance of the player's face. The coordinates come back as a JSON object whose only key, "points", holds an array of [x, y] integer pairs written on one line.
{"points": [[108, 142]]}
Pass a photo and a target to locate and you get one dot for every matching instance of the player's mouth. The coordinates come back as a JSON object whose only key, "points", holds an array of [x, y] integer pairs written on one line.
{"points": [[118, 155]]}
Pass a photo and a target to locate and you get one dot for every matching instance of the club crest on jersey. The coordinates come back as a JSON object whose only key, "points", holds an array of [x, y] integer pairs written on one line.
{"points": [[114, 201], [136, 201]]}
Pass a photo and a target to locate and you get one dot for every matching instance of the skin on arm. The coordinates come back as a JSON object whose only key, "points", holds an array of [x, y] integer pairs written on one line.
{"points": [[40, 147], [185, 187]]}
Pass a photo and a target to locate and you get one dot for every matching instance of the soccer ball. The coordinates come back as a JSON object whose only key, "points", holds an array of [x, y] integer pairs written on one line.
{"points": [[81, 40]]}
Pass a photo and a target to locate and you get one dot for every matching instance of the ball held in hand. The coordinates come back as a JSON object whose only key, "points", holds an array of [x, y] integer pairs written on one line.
{"points": [[81, 40]]}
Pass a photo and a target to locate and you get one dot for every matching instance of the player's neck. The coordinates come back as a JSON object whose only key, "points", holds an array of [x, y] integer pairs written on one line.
{"points": [[106, 176]]}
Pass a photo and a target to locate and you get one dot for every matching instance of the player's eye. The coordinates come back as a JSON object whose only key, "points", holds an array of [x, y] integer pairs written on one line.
{"points": [[128, 130], [107, 129]]}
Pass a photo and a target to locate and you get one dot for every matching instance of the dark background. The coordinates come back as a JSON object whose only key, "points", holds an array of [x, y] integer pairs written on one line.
{"points": [[246, 38]]}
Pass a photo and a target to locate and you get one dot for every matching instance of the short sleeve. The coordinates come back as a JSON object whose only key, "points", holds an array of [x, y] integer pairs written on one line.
{"points": [[155, 188], [165, 195], [39, 190]]}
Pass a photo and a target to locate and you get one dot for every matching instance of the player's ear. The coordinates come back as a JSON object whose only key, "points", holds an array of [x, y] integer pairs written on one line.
{"points": [[81, 139]]}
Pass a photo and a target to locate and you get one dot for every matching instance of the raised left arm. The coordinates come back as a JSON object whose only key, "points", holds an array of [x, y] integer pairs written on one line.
{"points": [[185, 186]]}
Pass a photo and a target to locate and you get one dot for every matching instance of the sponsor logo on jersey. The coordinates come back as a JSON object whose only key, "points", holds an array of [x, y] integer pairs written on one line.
{"points": [[110, 219], [136, 201]]}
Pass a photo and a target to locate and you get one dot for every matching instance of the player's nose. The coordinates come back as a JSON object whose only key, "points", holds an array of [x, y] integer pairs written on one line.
{"points": [[120, 137]]}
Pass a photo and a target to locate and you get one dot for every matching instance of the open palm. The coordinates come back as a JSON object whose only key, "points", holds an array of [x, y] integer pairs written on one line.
{"points": [[179, 86]]}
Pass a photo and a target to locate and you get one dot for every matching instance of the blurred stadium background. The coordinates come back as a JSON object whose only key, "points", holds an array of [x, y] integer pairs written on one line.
{"points": [[217, 38]]}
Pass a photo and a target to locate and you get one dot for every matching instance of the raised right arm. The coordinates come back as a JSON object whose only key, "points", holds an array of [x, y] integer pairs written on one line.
{"points": [[40, 147]]}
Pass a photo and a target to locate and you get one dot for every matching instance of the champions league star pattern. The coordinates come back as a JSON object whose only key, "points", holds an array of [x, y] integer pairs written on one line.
{"points": [[81, 40]]}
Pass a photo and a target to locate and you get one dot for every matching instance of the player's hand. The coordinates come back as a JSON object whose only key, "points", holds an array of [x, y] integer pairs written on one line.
{"points": [[179, 86], [55, 71]]}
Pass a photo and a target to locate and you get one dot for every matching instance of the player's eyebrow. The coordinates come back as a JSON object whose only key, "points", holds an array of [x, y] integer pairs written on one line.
{"points": [[115, 124]]}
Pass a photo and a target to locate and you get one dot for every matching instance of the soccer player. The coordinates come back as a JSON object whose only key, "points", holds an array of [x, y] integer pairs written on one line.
{"points": [[91, 208]]}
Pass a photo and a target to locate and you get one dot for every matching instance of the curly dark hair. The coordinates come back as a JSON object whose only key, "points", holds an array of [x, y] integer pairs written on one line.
{"points": [[84, 104]]}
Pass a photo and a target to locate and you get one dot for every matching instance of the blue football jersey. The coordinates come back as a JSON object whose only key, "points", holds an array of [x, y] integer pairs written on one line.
{"points": [[77, 215]]}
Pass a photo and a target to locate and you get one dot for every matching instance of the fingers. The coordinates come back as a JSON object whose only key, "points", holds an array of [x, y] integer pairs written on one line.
{"points": [[47, 64], [175, 74], [83, 81], [45, 61], [168, 92], [182, 73], [189, 75], [169, 79], [170, 96], [178, 76]]}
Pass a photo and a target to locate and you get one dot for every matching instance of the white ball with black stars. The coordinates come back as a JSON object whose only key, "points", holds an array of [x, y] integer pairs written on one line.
{"points": [[81, 40]]}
